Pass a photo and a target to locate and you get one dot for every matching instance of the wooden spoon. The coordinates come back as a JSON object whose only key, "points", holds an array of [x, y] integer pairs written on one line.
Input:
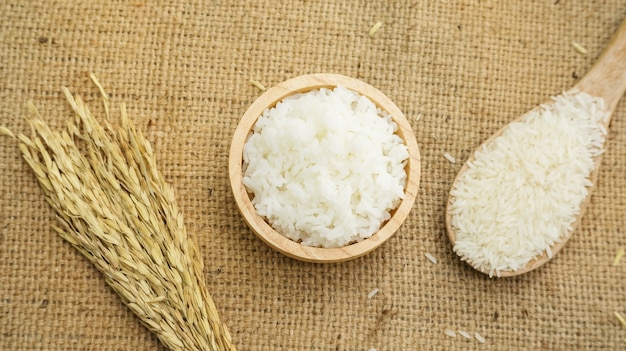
{"points": [[607, 80]]}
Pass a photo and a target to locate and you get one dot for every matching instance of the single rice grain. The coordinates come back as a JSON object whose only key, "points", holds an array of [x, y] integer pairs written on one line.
{"points": [[375, 28], [465, 334], [257, 84], [479, 337], [372, 293], [431, 258], [620, 318], [449, 157], [7, 132], [450, 333], [618, 256], [581, 49]]}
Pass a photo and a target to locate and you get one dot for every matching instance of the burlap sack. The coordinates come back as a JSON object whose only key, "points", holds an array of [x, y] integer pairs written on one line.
{"points": [[183, 70]]}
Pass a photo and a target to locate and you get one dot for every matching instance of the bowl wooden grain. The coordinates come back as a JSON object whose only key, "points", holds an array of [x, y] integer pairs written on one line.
{"points": [[258, 224]]}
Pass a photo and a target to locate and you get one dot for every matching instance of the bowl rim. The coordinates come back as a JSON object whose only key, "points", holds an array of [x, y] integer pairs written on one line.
{"points": [[269, 235]]}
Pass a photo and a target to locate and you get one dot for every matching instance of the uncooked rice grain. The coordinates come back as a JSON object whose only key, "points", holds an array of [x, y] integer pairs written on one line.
{"points": [[618, 256], [257, 84], [375, 28], [620, 318], [548, 252], [450, 333], [7, 132], [372, 293], [479, 337], [581, 49], [431, 258], [465, 334], [449, 157], [522, 192]]}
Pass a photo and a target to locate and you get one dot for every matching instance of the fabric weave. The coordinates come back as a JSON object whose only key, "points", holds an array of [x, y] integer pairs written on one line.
{"points": [[467, 67]]}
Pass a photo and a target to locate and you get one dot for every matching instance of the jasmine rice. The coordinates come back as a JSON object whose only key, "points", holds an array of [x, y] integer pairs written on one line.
{"points": [[325, 168], [522, 193]]}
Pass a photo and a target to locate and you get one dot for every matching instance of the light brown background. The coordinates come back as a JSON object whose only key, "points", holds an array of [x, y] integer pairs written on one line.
{"points": [[182, 68]]}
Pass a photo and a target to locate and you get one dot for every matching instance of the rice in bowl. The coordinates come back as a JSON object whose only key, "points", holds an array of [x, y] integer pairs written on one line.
{"points": [[325, 168]]}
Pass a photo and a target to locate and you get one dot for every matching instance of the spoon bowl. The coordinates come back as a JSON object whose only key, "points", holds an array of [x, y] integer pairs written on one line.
{"points": [[606, 80]]}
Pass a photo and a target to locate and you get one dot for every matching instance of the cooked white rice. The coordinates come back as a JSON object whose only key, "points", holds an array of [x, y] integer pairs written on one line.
{"points": [[523, 192], [325, 167]]}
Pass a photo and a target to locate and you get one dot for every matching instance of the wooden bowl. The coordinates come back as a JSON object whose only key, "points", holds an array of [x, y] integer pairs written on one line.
{"points": [[258, 224]]}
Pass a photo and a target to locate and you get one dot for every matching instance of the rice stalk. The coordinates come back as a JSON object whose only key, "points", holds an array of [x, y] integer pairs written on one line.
{"points": [[114, 206]]}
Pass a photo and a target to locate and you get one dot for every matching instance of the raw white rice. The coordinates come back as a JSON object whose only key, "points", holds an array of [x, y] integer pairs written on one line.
{"points": [[375, 28], [257, 84], [431, 258], [465, 334], [621, 319], [581, 49], [618, 256], [548, 252], [479, 337], [372, 293], [325, 167], [523, 192], [450, 333], [449, 157]]}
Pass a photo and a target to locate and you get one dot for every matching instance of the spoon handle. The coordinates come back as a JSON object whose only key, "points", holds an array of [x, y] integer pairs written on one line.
{"points": [[607, 77]]}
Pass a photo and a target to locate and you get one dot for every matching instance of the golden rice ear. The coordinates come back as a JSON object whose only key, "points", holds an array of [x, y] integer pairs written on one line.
{"points": [[115, 208]]}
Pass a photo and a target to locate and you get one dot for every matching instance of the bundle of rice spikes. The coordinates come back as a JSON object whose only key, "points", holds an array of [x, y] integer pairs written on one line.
{"points": [[114, 206]]}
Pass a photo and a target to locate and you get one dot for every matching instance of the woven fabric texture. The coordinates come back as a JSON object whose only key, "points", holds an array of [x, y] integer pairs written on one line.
{"points": [[458, 69]]}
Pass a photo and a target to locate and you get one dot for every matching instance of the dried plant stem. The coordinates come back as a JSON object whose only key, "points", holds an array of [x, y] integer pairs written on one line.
{"points": [[114, 206]]}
